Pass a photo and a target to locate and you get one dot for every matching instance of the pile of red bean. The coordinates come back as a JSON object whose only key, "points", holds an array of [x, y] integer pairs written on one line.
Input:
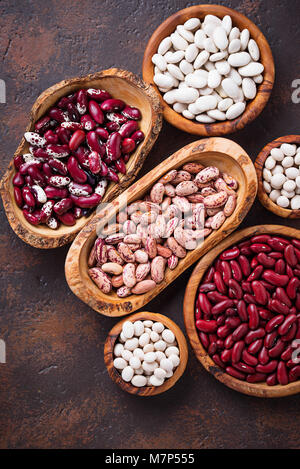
{"points": [[76, 148], [248, 310]]}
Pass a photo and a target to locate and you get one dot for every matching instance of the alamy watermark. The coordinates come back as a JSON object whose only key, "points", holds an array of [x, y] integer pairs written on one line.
{"points": [[2, 92], [296, 92], [2, 351]]}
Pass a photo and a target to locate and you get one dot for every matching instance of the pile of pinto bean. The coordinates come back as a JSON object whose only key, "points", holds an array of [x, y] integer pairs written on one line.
{"points": [[83, 142], [248, 310], [153, 234]]}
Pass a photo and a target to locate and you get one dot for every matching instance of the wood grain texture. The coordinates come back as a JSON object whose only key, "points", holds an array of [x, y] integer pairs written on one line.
{"points": [[259, 166], [252, 389], [120, 83], [220, 152], [145, 391], [253, 109]]}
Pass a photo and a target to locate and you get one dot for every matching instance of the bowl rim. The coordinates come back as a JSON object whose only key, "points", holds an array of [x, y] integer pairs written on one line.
{"points": [[145, 391], [252, 389], [53, 238], [259, 166], [253, 108]]}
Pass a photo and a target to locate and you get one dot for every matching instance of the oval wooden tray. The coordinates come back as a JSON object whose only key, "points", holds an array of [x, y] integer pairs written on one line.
{"points": [[146, 390], [259, 166], [227, 156], [120, 83], [253, 389], [253, 109]]}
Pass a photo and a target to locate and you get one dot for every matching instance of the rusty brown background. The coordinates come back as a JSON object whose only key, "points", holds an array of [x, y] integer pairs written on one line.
{"points": [[54, 390]]}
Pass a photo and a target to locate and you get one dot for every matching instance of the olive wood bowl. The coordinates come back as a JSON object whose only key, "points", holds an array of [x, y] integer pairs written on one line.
{"points": [[253, 108], [121, 84], [228, 156], [145, 390], [252, 389], [259, 166]]}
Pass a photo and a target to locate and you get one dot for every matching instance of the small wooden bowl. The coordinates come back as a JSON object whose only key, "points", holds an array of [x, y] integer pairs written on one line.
{"points": [[252, 389], [259, 166], [145, 390], [253, 109], [228, 156], [120, 83]]}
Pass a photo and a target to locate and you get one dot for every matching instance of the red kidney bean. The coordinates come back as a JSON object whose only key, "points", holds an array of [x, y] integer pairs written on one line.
{"points": [[93, 142], [249, 298], [265, 260], [255, 346], [288, 322], [290, 334], [281, 295], [102, 133], [51, 137], [28, 197], [246, 286], [18, 197], [127, 129], [215, 296], [263, 356], [212, 348], [216, 358], [57, 114], [289, 271], [72, 112], [287, 353], [260, 238], [221, 307], [240, 332], [36, 175], [242, 311], [112, 175], [259, 292], [235, 373], [277, 349], [291, 289], [231, 312], [86, 202], [219, 283], [290, 255], [110, 105], [220, 344], [77, 139], [235, 291], [228, 342], [236, 270], [226, 355], [270, 339], [268, 368], [55, 192], [276, 255], [265, 314], [253, 316], [223, 331], [18, 161], [254, 263], [64, 135], [113, 146], [278, 307], [120, 166], [248, 358], [32, 218], [237, 351], [244, 368], [206, 287], [275, 279], [206, 326], [282, 375], [254, 335], [274, 322], [18, 180], [209, 275], [256, 378], [258, 270], [63, 206], [271, 379], [127, 145], [280, 267], [232, 322], [67, 218], [230, 254], [245, 265], [95, 112], [204, 304], [294, 374], [267, 285], [259, 247], [276, 244], [204, 339], [42, 124], [77, 174], [138, 136]]}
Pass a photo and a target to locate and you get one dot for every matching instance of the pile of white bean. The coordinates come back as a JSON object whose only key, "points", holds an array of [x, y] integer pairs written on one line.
{"points": [[208, 71], [281, 176], [146, 353]]}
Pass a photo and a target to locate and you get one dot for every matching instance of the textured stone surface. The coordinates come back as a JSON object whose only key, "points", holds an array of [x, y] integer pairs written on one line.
{"points": [[54, 389]]}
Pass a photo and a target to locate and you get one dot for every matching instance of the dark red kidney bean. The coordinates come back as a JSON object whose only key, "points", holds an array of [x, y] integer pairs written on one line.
{"points": [[18, 197], [104, 169], [42, 124], [278, 307], [267, 285], [64, 135], [236, 270], [297, 272], [86, 202], [263, 356], [28, 197], [131, 113], [282, 375], [18, 179], [246, 251], [289, 271], [253, 316], [289, 320], [209, 275], [259, 292], [291, 334], [240, 332], [256, 378], [29, 181], [290, 363], [277, 350], [120, 166], [265, 260], [244, 368], [212, 348], [55, 192], [296, 242], [244, 244], [206, 287], [235, 290], [268, 368], [245, 265], [223, 331], [24, 167], [228, 342], [221, 307], [280, 267], [255, 346], [51, 137], [294, 373], [249, 298], [67, 218], [221, 287], [254, 335], [287, 353], [212, 338], [204, 339], [18, 161], [230, 312], [127, 129], [275, 279], [76, 173], [255, 275], [291, 289], [220, 344], [110, 105], [112, 176], [102, 133], [242, 311], [232, 322], [63, 102], [276, 244], [36, 175], [263, 238], [30, 217], [95, 112], [230, 254], [270, 339], [248, 358], [206, 326], [274, 322], [297, 304], [281, 295], [235, 373], [216, 358], [77, 139], [56, 114], [271, 379], [138, 136], [276, 255], [127, 145], [226, 355], [265, 314], [215, 296], [63, 206], [95, 162], [237, 351], [254, 263], [204, 304], [259, 247], [82, 101], [246, 286]]}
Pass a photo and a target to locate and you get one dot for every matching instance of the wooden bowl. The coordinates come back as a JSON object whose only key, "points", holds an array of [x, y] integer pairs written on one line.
{"points": [[253, 389], [223, 153], [259, 166], [120, 83], [253, 109], [145, 390]]}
